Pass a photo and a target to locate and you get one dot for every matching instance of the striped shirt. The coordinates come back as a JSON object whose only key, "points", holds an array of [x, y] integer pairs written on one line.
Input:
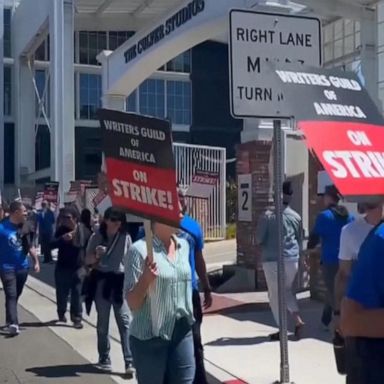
{"points": [[169, 298]]}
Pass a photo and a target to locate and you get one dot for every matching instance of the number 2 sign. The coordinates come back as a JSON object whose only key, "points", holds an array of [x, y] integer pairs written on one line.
{"points": [[244, 197]]}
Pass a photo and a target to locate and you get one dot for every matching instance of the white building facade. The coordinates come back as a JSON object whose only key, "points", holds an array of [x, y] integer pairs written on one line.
{"points": [[54, 70]]}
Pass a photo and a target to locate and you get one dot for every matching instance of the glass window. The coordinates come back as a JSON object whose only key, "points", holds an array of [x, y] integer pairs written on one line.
{"points": [[90, 95], [181, 63], [152, 98], [338, 48], [42, 148], [349, 27], [328, 33], [42, 53], [90, 45], [7, 91], [328, 52], [132, 102], [179, 104], [357, 40], [44, 91], [7, 32], [339, 29], [117, 38], [349, 44]]}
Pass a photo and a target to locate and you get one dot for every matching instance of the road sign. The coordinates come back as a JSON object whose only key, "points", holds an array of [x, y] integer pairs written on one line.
{"points": [[259, 38]]}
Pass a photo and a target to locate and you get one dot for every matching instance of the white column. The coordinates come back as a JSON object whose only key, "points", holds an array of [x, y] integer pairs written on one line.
{"points": [[2, 94], [110, 101], [369, 67], [25, 114], [62, 94]]}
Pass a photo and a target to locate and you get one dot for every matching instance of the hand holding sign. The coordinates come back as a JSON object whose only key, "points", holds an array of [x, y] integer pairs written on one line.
{"points": [[150, 272]]}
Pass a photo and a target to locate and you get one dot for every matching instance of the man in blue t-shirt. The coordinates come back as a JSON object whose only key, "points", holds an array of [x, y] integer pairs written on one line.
{"points": [[14, 264], [327, 231], [194, 234], [362, 311]]}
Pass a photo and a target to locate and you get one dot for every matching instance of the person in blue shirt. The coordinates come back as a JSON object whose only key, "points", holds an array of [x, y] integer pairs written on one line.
{"points": [[362, 311], [192, 231], [14, 263], [46, 222], [327, 231]]}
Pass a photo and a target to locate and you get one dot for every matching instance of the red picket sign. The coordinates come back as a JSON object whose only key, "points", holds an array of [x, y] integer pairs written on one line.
{"points": [[351, 153]]}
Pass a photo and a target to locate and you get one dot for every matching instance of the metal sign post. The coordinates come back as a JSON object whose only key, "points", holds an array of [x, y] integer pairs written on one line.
{"points": [[257, 40], [278, 182]]}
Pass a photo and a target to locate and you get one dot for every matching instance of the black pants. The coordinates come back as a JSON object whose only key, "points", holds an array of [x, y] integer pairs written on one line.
{"points": [[69, 282], [200, 376], [45, 243], [352, 361], [370, 357], [329, 275], [13, 284]]}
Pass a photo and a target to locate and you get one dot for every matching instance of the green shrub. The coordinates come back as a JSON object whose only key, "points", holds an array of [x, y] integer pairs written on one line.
{"points": [[231, 231]]}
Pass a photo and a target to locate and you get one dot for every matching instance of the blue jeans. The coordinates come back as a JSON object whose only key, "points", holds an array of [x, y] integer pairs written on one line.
{"points": [[123, 320], [13, 284], [159, 361]]}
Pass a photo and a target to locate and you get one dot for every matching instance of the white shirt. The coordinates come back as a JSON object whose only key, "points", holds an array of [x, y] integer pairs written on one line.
{"points": [[352, 237]]}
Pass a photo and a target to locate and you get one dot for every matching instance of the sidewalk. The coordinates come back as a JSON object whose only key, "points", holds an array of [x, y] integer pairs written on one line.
{"points": [[37, 355], [235, 333]]}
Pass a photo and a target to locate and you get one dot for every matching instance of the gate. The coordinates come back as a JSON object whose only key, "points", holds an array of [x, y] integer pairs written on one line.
{"points": [[210, 210]]}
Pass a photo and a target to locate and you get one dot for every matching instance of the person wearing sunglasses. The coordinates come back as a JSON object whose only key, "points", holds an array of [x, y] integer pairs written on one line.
{"points": [[70, 240], [105, 255]]}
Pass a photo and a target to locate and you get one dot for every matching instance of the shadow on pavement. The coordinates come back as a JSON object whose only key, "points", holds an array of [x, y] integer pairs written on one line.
{"points": [[37, 324], [230, 341], [61, 371]]}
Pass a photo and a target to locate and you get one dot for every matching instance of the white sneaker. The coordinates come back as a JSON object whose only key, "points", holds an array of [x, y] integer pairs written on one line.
{"points": [[13, 330], [129, 369]]}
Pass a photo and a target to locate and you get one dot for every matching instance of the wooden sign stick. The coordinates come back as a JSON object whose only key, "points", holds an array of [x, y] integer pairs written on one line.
{"points": [[149, 240]]}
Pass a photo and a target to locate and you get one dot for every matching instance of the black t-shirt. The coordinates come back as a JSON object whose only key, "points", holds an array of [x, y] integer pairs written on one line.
{"points": [[69, 255]]}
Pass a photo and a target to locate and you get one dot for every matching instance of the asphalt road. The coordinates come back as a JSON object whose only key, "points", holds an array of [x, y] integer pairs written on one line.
{"points": [[219, 253], [37, 355]]}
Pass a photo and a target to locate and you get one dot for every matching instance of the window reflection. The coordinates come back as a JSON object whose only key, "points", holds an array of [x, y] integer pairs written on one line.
{"points": [[7, 91], [170, 99], [152, 98], [7, 32], [42, 84], [179, 102], [90, 95], [90, 45]]}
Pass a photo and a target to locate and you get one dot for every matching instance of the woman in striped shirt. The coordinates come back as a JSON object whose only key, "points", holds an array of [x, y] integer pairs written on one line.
{"points": [[159, 294]]}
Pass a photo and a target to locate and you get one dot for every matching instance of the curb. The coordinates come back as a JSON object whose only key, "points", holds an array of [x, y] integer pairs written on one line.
{"points": [[37, 286]]}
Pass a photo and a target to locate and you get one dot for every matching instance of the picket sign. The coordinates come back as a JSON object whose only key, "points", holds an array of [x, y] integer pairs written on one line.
{"points": [[149, 240]]}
